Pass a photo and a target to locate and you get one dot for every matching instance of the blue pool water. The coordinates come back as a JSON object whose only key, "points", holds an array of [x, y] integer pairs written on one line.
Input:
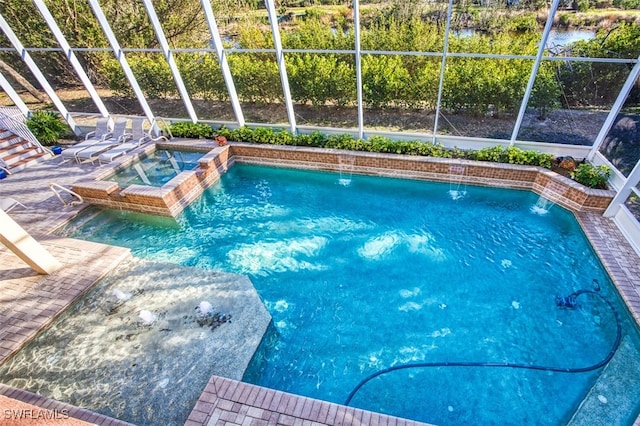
{"points": [[157, 168], [362, 273]]}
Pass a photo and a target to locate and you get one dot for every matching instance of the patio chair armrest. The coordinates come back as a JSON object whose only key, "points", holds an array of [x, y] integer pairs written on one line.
{"points": [[106, 136], [125, 137]]}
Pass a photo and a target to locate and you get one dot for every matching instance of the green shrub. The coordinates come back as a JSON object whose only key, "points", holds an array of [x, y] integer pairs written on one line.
{"points": [[523, 23], [512, 155], [345, 141], [202, 76], [630, 4], [592, 176], [47, 127], [265, 135], [497, 154], [117, 81], [472, 85], [459, 153], [583, 5], [383, 144], [565, 19], [383, 80], [256, 77], [313, 13], [154, 76], [192, 130], [315, 139], [533, 158], [546, 91]]}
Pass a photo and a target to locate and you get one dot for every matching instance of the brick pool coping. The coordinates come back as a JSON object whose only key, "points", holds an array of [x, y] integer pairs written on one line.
{"points": [[30, 188], [230, 402]]}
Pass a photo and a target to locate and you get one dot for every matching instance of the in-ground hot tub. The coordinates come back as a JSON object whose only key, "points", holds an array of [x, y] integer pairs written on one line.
{"points": [[157, 169], [161, 180]]}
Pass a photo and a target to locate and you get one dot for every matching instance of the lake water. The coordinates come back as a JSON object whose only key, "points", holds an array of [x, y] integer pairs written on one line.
{"points": [[556, 38]]}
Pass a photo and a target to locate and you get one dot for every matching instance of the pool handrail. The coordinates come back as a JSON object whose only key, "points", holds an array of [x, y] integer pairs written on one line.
{"points": [[56, 188], [159, 130]]}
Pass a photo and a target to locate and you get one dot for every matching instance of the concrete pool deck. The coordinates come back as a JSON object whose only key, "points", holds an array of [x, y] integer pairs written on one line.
{"points": [[29, 302]]}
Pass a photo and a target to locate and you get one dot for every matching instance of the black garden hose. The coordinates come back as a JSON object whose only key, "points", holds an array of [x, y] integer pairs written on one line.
{"points": [[568, 301]]}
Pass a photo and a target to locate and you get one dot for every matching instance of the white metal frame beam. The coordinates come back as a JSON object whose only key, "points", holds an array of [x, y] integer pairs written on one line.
{"points": [[624, 192], [122, 59], [356, 29], [634, 177], [71, 57], [615, 109], [35, 70], [534, 70], [168, 56], [275, 31], [222, 59], [9, 90], [445, 49]]}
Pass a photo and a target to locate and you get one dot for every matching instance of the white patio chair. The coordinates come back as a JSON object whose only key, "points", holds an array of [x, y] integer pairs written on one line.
{"points": [[102, 130], [101, 133], [118, 136], [138, 138]]}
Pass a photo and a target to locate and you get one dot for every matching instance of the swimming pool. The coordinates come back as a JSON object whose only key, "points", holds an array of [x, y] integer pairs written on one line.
{"points": [[157, 168], [362, 273]]}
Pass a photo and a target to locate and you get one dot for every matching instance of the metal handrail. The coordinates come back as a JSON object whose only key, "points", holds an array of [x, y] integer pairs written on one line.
{"points": [[159, 120], [56, 188], [20, 129]]}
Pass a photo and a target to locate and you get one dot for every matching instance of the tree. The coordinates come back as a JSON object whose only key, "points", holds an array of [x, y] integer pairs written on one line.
{"points": [[546, 91], [23, 82], [182, 21]]}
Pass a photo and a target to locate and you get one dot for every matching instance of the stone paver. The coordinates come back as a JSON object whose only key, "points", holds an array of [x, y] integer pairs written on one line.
{"points": [[231, 406], [28, 302], [618, 257]]}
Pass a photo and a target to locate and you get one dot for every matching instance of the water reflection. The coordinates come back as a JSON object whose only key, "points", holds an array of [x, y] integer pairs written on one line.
{"points": [[557, 38]]}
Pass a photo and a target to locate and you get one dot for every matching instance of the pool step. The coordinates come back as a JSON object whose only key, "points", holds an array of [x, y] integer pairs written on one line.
{"points": [[83, 219], [616, 392]]}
